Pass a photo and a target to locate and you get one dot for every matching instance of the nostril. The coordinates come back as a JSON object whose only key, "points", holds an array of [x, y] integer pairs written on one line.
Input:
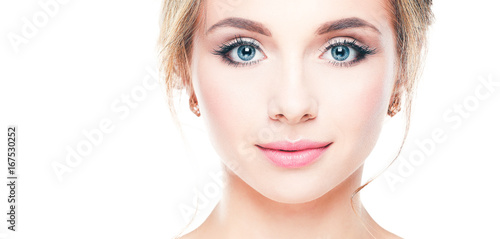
{"points": [[279, 116], [308, 117]]}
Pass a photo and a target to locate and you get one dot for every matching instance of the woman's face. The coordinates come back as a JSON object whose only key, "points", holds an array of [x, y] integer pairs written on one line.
{"points": [[317, 70]]}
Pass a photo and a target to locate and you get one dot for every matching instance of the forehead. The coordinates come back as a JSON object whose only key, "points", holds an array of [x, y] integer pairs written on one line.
{"points": [[298, 16]]}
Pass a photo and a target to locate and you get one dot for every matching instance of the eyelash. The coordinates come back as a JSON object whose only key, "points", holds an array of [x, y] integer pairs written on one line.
{"points": [[362, 51], [237, 41]]}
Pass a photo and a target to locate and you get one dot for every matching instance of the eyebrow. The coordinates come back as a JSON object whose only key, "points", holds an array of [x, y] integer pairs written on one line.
{"points": [[345, 23], [249, 25], [242, 24]]}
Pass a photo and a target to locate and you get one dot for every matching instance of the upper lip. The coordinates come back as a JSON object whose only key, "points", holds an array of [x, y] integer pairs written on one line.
{"points": [[296, 146]]}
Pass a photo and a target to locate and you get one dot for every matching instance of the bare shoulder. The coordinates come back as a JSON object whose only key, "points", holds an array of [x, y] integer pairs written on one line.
{"points": [[392, 236], [387, 235], [195, 234], [380, 232], [190, 235]]}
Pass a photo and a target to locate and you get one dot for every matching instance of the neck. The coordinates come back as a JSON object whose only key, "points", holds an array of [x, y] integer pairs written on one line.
{"points": [[245, 213]]}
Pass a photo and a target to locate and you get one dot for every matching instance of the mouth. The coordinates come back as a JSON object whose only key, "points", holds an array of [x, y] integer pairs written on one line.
{"points": [[293, 155]]}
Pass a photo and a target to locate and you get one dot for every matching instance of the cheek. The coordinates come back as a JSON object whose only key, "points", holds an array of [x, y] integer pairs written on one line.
{"points": [[225, 101], [362, 105], [368, 101]]}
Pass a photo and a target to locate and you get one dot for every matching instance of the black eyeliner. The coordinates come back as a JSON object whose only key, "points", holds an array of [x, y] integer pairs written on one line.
{"points": [[237, 41], [362, 51]]}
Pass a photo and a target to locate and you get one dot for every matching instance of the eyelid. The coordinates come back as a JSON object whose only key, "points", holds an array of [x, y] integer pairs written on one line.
{"points": [[238, 39], [333, 41], [235, 42], [361, 49]]}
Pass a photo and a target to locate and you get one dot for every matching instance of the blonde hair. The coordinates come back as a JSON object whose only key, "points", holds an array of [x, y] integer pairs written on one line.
{"points": [[410, 20], [178, 23]]}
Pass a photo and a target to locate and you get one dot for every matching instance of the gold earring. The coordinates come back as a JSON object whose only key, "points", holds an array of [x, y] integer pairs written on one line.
{"points": [[193, 105], [395, 106]]}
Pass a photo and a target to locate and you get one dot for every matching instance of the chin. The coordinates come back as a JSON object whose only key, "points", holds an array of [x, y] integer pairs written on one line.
{"points": [[294, 197], [292, 188]]}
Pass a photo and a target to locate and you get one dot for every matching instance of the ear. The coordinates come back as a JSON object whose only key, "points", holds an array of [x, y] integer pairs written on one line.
{"points": [[397, 90], [185, 81], [193, 100], [395, 101]]}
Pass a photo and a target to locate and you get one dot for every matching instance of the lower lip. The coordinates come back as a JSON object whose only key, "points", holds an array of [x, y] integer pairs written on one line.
{"points": [[293, 159]]}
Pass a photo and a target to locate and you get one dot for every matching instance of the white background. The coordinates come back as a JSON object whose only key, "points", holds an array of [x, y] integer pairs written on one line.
{"points": [[68, 75]]}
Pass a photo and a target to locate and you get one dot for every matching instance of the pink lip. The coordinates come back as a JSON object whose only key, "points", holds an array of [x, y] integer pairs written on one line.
{"points": [[293, 155]]}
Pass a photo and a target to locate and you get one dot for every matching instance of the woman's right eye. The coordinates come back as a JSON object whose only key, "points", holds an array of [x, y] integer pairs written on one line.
{"points": [[245, 53], [240, 52]]}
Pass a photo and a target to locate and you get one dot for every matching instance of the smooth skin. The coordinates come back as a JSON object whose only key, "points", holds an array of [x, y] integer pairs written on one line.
{"points": [[291, 90]]}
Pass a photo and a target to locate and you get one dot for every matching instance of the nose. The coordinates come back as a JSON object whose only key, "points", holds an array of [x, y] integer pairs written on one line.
{"points": [[293, 101]]}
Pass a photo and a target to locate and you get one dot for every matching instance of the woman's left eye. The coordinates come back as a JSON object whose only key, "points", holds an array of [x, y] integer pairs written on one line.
{"points": [[345, 52], [342, 53]]}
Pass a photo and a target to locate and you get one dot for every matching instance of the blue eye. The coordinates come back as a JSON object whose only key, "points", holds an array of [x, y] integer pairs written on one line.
{"points": [[240, 52], [340, 53], [345, 52], [246, 53]]}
